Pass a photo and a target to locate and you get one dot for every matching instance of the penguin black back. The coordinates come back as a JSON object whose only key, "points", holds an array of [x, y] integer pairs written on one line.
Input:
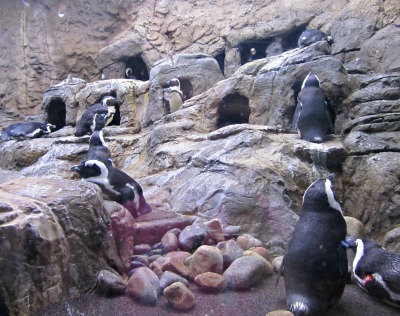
{"points": [[315, 265], [311, 36]]}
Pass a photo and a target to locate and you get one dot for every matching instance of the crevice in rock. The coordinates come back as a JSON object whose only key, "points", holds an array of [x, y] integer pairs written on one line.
{"points": [[56, 113], [186, 88], [220, 58], [233, 109], [135, 68]]}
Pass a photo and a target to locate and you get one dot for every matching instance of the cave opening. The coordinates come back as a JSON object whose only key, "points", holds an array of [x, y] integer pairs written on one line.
{"points": [[135, 68], [233, 109], [186, 88], [220, 58], [56, 113]]}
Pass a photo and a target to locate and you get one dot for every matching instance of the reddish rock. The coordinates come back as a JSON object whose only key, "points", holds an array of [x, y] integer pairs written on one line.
{"points": [[179, 296], [247, 241], [156, 268], [206, 259], [230, 251], [244, 272], [168, 277], [211, 282], [263, 252], [276, 264], [169, 242], [179, 255], [176, 265], [144, 286], [214, 229], [268, 270], [141, 249], [191, 237]]}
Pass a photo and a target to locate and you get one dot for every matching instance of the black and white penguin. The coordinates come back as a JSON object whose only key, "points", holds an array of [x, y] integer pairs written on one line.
{"points": [[377, 271], [85, 124], [27, 130], [129, 73], [173, 95], [98, 149], [312, 119], [315, 264], [312, 36], [115, 184]]}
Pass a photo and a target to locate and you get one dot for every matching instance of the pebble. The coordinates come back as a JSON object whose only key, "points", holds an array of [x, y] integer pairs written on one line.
{"points": [[214, 230], [206, 259], [168, 277], [169, 242], [355, 228], [211, 282], [144, 286], [109, 283], [247, 241], [263, 252], [280, 313], [179, 296], [276, 264], [141, 249], [231, 232], [244, 272], [230, 251], [176, 265], [268, 269], [191, 237]]}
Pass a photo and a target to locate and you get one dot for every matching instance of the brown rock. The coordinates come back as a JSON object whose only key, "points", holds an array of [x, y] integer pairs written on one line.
{"points": [[355, 228], [268, 270], [143, 286], [245, 272], [169, 242], [277, 263], [214, 229], [175, 265], [141, 249], [156, 268], [280, 313], [206, 259], [247, 241], [211, 282], [179, 296], [230, 251], [263, 252], [191, 237], [231, 231]]}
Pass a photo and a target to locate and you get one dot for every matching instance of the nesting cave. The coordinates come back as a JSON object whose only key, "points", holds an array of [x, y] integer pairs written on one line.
{"points": [[56, 113], [186, 88], [135, 68], [220, 58], [233, 109]]}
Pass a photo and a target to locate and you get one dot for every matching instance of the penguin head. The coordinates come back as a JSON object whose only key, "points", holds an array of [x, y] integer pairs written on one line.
{"points": [[48, 128], [91, 169], [311, 81], [320, 196], [109, 101], [174, 82], [99, 121]]}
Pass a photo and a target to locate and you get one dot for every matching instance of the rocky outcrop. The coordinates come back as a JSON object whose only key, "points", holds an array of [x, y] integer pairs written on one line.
{"points": [[54, 236]]}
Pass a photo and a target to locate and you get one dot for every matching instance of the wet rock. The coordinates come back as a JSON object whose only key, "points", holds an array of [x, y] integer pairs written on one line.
{"points": [[167, 278], [231, 231], [144, 286], [191, 237], [354, 227], [206, 259], [245, 272], [109, 283], [179, 296], [277, 263], [169, 242], [211, 282], [214, 229], [247, 241], [230, 251]]}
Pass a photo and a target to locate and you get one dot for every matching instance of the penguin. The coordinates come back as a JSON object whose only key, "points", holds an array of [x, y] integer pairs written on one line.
{"points": [[314, 267], [377, 271], [129, 73], [98, 149], [252, 55], [173, 95], [311, 118], [115, 184], [312, 36], [25, 130], [85, 124]]}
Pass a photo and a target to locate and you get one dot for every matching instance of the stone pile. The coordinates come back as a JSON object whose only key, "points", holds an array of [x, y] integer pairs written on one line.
{"points": [[205, 254]]}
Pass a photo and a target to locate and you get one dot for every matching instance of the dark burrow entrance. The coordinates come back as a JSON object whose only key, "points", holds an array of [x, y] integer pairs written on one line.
{"points": [[135, 68], [233, 109], [261, 48], [220, 58], [56, 113]]}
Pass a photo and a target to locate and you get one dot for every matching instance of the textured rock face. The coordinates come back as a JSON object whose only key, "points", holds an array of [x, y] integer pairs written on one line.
{"points": [[62, 243]]}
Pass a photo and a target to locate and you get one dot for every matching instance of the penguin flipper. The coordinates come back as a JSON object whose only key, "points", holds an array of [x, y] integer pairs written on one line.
{"points": [[280, 272], [296, 117]]}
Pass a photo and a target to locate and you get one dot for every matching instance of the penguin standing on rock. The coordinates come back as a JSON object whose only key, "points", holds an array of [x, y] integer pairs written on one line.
{"points": [[108, 106], [312, 36], [115, 184], [173, 95], [98, 149], [377, 271], [315, 265], [311, 118]]}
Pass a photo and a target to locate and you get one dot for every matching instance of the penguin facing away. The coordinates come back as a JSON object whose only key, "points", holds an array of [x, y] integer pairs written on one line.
{"points": [[315, 264], [377, 271], [115, 184], [312, 36], [27, 130], [98, 149], [85, 125], [173, 95], [311, 118]]}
